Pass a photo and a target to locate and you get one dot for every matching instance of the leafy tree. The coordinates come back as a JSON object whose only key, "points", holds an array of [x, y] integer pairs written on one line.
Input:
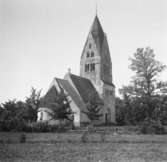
{"points": [[8, 110], [61, 107], [93, 108], [120, 111], [13, 115], [144, 94], [33, 103], [147, 69]]}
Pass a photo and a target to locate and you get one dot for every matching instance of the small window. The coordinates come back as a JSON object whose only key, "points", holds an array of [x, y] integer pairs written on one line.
{"points": [[92, 54], [111, 93], [92, 67], [90, 45], [86, 67], [106, 92], [88, 54]]}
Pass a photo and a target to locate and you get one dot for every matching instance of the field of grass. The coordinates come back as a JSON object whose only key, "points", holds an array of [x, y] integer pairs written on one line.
{"points": [[67, 147]]}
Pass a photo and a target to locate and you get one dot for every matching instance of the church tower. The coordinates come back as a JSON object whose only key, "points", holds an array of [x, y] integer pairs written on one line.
{"points": [[96, 65]]}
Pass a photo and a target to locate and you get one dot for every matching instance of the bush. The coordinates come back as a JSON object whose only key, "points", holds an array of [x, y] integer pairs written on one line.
{"points": [[12, 125], [22, 126], [41, 127], [151, 126]]}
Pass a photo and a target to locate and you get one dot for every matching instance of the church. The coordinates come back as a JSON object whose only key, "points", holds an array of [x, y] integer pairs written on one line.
{"points": [[95, 77]]}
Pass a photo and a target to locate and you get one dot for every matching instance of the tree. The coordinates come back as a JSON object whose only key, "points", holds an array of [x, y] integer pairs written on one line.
{"points": [[120, 111], [145, 91], [13, 115], [61, 107], [147, 69], [8, 110], [93, 108], [33, 103]]}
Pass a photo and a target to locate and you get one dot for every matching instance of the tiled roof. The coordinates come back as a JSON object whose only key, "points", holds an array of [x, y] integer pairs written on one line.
{"points": [[49, 97], [84, 87], [71, 92], [80, 91]]}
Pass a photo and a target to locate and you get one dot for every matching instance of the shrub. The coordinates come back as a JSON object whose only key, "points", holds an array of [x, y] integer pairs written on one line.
{"points": [[12, 125], [39, 127], [150, 126], [43, 127], [22, 126]]}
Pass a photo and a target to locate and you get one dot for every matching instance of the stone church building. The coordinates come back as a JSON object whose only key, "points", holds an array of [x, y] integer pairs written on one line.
{"points": [[95, 77]]}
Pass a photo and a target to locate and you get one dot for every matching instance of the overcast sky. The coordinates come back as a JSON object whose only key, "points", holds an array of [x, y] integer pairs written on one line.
{"points": [[41, 39]]}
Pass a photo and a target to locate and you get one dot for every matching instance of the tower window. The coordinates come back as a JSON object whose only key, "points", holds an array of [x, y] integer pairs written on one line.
{"points": [[108, 92], [92, 67], [86, 67], [92, 54], [88, 54], [111, 93], [90, 45]]}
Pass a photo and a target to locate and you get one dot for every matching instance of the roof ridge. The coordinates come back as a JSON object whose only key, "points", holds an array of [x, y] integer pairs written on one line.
{"points": [[79, 76]]}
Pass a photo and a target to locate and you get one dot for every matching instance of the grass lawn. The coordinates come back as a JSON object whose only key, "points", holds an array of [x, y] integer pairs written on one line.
{"points": [[67, 147]]}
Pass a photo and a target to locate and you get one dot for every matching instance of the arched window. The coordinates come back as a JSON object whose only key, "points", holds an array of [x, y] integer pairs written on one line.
{"points": [[92, 67], [86, 67], [90, 45], [88, 54], [111, 93], [92, 54]]}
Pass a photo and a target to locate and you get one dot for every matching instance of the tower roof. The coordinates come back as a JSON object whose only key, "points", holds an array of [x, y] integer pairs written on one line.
{"points": [[97, 32]]}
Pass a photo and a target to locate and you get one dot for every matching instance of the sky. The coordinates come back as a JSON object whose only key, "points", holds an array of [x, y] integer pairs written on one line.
{"points": [[41, 39]]}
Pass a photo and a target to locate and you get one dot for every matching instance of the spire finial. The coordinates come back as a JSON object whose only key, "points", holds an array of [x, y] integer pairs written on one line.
{"points": [[96, 8]]}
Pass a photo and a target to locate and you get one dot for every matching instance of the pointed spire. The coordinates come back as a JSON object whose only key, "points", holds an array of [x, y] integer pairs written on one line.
{"points": [[97, 31], [96, 8]]}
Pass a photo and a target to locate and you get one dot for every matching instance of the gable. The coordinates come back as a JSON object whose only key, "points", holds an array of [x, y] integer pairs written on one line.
{"points": [[96, 36], [49, 97], [72, 93], [86, 48]]}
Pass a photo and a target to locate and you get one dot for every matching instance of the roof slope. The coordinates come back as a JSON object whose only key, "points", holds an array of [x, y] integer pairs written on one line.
{"points": [[97, 32], [63, 84], [49, 97], [71, 92], [84, 87]]}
